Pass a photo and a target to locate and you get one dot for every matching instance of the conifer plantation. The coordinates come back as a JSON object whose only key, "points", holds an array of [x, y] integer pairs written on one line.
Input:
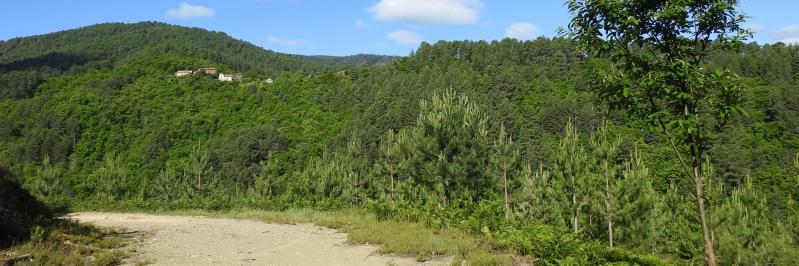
{"points": [[643, 135]]}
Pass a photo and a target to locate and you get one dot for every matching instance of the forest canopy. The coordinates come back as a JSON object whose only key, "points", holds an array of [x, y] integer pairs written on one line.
{"points": [[505, 138]]}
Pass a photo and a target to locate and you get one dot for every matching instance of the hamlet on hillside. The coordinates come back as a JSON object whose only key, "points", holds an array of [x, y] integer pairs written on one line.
{"points": [[212, 71]]}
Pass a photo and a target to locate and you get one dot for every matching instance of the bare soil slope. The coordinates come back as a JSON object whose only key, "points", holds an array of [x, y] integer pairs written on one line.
{"points": [[182, 240]]}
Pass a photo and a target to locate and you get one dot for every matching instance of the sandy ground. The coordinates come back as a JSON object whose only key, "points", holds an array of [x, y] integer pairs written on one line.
{"points": [[183, 240]]}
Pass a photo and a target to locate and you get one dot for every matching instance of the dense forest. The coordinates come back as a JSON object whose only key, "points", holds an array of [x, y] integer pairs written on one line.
{"points": [[502, 138], [353, 60], [27, 62]]}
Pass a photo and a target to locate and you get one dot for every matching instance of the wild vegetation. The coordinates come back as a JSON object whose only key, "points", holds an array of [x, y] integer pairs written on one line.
{"points": [[30, 235], [505, 140]]}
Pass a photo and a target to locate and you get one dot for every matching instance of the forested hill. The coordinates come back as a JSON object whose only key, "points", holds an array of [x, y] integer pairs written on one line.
{"points": [[436, 137], [353, 60], [27, 61]]}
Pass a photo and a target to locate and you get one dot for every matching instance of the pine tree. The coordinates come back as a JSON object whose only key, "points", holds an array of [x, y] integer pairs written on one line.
{"points": [[677, 235], [198, 163], [353, 164], [657, 219], [572, 169], [503, 161], [112, 177], [166, 186], [637, 204], [50, 183], [266, 182], [391, 160], [450, 147], [327, 177], [529, 198], [541, 200], [605, 150], [745, 233]]}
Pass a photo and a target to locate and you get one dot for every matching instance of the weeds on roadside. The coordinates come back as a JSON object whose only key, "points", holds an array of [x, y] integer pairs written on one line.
{"points": [[65, 242]]}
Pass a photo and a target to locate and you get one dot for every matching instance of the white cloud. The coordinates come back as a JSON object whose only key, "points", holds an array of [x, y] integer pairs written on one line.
{"points": [[792, 40], [754, 27], [187, 11], [360, 24], [427, 11], [288, 42], [788, 34], [404, 37], [522, 31]]}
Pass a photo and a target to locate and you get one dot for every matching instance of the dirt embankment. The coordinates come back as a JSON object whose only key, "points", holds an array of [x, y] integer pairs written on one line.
{"points": [[181, 240]]}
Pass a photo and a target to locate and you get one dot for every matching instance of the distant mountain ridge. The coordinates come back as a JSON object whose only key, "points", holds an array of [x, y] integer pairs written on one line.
{"points": [[26, 62], [114, 42], [353, 60]]}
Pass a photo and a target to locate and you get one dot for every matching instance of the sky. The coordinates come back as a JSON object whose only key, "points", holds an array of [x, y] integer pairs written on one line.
{"points": [[314, 27]]}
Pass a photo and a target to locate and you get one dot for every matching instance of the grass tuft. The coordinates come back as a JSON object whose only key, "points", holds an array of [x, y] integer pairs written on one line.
{"points": [[64, 242]]}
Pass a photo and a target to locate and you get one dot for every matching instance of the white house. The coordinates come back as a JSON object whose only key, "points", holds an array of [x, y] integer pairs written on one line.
{"points": [[269, 81], [231, 77]]}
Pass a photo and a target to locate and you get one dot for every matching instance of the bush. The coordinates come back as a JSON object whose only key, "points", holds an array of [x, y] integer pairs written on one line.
{"points": [[19, 211], [548, 245]]}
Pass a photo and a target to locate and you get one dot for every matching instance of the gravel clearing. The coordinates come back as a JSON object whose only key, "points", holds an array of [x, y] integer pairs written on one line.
{"points": [[191, 240]]}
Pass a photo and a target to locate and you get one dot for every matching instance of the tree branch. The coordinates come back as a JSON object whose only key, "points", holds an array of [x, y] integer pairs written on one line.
{"points": [[673, 145]]}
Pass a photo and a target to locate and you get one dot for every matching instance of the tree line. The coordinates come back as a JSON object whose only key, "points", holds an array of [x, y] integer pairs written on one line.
{"points": [[505, 138]]}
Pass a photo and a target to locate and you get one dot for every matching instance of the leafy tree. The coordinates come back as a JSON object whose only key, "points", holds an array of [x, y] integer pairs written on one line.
{"points": [[238, 156], [658, 50]]}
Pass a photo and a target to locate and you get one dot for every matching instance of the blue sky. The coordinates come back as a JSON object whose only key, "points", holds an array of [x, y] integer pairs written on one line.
{"points": [[348, 27]]}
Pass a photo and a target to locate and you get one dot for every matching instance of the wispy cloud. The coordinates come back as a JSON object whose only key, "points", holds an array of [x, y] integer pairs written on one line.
{"points": [[288, 42], [754, 27], [360, 24], [788, 34], [427, 11], [404, 37], [522, 31], [188, 11]]}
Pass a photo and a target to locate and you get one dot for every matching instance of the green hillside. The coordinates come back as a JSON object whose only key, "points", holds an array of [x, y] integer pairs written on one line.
{"points": [[95, 118], [26, 62]]}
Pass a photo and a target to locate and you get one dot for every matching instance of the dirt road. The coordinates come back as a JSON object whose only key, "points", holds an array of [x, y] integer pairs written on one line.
{"points": [[182, 240]]}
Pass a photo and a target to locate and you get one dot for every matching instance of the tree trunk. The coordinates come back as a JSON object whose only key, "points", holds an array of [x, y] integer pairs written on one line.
{"points": [[505, 193], [354, 187], [392, 185], [710, 254], [445, 196], [575, 208], [608, 206]]}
